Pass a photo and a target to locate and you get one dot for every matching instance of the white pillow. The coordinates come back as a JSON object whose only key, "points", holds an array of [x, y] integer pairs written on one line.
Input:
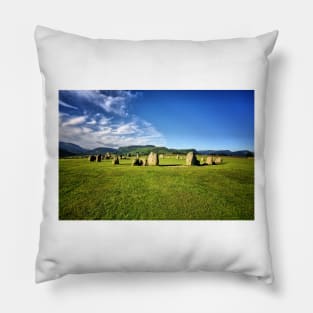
{"points": [[71, 62]]}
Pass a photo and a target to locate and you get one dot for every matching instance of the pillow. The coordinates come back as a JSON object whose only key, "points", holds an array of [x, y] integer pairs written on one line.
{"points": [[154, 155]]}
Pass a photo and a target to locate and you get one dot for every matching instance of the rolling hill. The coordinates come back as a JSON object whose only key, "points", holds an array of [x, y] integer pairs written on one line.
{"points": [[70, 149]]}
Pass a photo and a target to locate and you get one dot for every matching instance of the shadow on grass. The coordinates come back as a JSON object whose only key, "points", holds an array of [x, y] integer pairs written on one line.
{"points": [[183, 165], [206, 164], [171, 165]]}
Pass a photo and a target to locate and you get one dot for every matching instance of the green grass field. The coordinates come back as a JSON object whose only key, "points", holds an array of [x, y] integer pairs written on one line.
{"points": [[171, 191]]}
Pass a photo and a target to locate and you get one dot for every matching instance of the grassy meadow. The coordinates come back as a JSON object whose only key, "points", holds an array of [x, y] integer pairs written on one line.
{"points": [[170, 191]]}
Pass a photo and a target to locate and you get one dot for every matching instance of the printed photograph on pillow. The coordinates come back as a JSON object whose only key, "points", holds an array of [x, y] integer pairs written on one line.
{"points": [[156, 154]]}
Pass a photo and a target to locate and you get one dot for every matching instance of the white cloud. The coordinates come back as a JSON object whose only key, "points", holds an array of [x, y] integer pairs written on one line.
{"points": [[104, 120], [126, 129], [74, 121], [94, 128], [135, 132], [64, 104], [112, 103], [92, 122], [115, 105]]}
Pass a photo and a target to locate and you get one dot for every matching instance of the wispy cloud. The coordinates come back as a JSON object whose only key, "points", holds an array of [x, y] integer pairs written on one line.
{"points": [[114, 102], [111, 135], [62, 103], [91, 122], [127, 129], [75, 121], [103, 120]]}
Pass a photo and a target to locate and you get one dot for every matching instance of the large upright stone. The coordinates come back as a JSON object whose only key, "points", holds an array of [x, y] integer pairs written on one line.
{"points": [[191, 159], [115, 160], [135, 162], [209, 160], [218, 160], [153, 159], [92, 158]]}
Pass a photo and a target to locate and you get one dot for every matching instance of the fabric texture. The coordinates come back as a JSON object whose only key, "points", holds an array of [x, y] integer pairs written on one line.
{"points": [[71, 62]]}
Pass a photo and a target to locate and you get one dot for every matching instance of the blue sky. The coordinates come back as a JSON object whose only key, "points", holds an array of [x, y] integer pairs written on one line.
{"points": [[200, 119]]}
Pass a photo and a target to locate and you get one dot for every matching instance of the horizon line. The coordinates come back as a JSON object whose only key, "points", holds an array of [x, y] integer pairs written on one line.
{"points": [[190, 148]]}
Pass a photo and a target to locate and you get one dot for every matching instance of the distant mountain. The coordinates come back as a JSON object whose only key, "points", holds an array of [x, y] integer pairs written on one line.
{"points": [[67, 148], [70, 149], [102, 150], [135, 149], [246, 153], [150, 148], [227, 152], [222, 152], [65, 153]]}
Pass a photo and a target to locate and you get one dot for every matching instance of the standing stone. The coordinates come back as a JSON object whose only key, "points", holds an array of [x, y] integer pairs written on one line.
{"points": [[115, 160], [191, 159], [209, 160], [135, 162], [177, 157], [92, 158], [218, 160], [153, 159], [99, 158]]}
